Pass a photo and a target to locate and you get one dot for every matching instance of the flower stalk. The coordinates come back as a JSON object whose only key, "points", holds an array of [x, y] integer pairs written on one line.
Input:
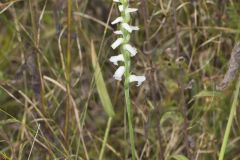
{"points": [[126, 52]]}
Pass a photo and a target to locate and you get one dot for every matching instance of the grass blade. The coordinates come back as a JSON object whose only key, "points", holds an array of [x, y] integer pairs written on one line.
{"points": [[100, 84], [230, 121]]}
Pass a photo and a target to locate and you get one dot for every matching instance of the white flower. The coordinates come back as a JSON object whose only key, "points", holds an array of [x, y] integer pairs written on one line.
{"points": [[120, 7], [115, 59], [129, 28], [132, 50], [117, 43], [117, 20], [118, 32], [130, 10], [127, 10], [119, 73], [124, 33], [138, 79]]}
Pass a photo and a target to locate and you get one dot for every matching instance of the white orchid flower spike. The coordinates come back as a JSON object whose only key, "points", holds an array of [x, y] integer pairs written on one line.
{"points": [[127, 50]]}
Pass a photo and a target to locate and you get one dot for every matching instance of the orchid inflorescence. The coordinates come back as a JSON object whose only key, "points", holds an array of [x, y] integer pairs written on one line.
{"points": [[127, 50]]}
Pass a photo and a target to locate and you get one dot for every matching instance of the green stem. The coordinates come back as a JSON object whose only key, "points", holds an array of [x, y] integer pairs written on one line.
{"points": [[129, 113], [230, 121], [127, 63], [105, 138]]}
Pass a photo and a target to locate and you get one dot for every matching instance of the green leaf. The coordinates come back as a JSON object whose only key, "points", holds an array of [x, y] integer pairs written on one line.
{"points": [[100, 84]]}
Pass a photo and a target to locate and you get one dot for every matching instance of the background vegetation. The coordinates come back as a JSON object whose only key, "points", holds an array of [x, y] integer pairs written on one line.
{"points": [[51, 99]]}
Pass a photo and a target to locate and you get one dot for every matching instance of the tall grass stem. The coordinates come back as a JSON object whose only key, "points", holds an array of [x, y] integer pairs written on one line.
{"points": [[105, 138], [230, 121]]}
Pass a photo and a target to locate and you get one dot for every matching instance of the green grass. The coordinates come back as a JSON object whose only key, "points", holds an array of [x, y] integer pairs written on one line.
{"points": [[230, 121]]}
